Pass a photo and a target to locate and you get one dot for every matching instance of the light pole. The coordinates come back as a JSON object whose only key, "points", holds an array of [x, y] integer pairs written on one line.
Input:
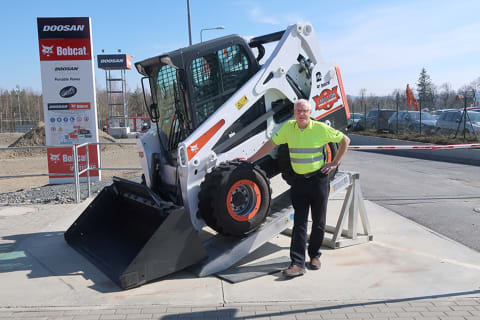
{"points": [[216, 28], [189, 24], [17, 91]]}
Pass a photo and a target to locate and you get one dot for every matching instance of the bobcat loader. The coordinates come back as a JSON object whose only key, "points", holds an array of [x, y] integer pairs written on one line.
{"points": [[211, 102]]}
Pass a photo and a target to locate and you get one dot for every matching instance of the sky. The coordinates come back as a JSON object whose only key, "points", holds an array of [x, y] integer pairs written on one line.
{"points": [[378, 45]]}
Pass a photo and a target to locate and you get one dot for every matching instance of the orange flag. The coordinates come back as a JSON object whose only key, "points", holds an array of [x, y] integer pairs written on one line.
{"points": [[412, 103]]}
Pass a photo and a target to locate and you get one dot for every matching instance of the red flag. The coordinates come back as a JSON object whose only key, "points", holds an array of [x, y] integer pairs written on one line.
{"points": [[412, 103]]}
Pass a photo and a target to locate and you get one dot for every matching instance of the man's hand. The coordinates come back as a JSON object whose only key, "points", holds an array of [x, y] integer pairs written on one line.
{"points": [[241, 159], [328, 167]]}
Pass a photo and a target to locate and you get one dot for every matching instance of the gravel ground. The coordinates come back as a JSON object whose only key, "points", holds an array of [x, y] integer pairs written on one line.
{"points": [[53, 194]]}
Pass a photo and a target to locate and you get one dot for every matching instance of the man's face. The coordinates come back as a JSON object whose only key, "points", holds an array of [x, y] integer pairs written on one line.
{"points": [[302, 115]]}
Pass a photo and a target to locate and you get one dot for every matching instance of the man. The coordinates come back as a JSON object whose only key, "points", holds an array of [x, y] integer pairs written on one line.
{"points": [[306, 139]]}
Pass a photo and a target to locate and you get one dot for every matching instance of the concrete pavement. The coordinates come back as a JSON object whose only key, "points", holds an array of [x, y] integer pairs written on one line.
{"points": [[407, 271]]}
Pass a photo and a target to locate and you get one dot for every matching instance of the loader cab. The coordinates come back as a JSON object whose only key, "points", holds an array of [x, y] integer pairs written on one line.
{"points": [[189, 84]]}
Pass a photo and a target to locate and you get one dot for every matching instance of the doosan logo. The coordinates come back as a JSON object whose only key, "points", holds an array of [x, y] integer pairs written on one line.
{"points": [[66, 68], [68, 92], [65, 27]]}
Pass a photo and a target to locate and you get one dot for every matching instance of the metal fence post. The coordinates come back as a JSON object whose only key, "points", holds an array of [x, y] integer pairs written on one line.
{"points": [[88, 171], [75, 174]]}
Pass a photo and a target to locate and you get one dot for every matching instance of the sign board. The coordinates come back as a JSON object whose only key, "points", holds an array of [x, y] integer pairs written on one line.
{"points": [[114, 61], [68, 88]]}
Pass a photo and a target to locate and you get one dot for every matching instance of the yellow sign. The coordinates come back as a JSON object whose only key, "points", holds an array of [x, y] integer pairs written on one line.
{"points": [[243, 101]]}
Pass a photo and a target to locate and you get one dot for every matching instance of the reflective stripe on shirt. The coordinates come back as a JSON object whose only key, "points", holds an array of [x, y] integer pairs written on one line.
{"points": [[307, 160], [305, 150]]}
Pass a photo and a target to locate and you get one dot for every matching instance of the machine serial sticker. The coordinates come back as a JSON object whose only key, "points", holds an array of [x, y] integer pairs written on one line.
{"points": [[243, 101]]}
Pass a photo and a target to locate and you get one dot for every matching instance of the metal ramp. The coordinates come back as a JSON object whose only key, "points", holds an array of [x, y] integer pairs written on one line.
{"points": [[223, 252]]}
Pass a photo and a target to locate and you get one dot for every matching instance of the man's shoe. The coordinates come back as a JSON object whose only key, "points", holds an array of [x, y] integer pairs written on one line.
{"points": [[315, 264], [294, 271]]}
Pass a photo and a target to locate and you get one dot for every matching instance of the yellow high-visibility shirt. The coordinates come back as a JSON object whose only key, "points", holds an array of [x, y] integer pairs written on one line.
{"points": [[306, 146]]}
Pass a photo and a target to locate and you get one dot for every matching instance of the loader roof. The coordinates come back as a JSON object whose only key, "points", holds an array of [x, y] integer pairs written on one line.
{"points": [[177, 58]]}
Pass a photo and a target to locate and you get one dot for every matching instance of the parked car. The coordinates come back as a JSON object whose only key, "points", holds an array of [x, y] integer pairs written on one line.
{"points": [[436, 113], [392, 121], [378, 119], [410, 121], [354, 118], [453, 121]]}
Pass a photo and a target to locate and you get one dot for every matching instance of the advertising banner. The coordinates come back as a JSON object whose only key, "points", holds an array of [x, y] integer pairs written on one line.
{"points": [[114, 61], [68, 87]]}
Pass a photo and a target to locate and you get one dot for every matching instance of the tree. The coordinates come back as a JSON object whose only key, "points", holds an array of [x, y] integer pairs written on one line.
{"points": [[426, 90], [446, 95]]}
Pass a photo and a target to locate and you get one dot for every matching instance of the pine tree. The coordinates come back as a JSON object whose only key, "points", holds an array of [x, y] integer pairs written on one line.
{"points": [[426, 90]]}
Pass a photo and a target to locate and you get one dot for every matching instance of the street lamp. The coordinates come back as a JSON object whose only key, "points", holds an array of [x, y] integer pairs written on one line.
{"points": [[17, 91], [216, 28]]}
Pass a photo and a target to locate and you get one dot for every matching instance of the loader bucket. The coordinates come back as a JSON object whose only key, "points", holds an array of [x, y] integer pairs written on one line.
{"points": [[133, 236]]}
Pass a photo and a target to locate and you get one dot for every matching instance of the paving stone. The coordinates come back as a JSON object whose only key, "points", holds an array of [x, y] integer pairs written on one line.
{"points": [[102, 311], [444, 303], [433, 314], [87, 317], [308, 316], [178, 310], [154, 310], [139, 316], [468, 302], [334, 316], [128, 311], [393, 309], [415, 309], [254, 308], [421, 303], [408, 314], [278, 307], [384, 314], [76, 312], [359, 315], [113, 316], [457, 313], [439, 308], [367, 309]]}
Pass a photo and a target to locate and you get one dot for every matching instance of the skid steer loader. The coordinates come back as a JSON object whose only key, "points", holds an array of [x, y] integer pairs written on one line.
{"points": [[211, 102]]}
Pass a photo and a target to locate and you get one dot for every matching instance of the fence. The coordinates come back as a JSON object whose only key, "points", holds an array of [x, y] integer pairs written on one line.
{"points": [[446, 124], [76, 173]]}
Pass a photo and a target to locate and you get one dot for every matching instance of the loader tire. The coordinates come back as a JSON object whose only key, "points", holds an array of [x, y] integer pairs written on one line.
{"points": [[283, 158], [331, 152], [235, 198]]}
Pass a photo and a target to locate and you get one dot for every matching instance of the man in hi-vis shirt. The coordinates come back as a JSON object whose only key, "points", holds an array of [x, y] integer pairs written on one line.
{"points": [[306, 139]]}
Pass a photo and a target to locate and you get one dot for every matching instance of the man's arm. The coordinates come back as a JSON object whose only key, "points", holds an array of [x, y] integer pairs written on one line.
{"points": [[328, 167], [265, 149]]}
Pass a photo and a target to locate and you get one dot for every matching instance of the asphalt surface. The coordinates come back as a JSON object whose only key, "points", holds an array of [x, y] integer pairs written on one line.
{"points": [[444, 197]]}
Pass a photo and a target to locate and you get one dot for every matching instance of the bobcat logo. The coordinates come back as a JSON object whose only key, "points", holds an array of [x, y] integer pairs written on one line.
{"points": [[47, 50], [55, 157]]}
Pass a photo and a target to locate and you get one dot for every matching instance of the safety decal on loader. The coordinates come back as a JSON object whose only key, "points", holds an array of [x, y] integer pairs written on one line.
{"points": [[193, 149], [240, 103]]}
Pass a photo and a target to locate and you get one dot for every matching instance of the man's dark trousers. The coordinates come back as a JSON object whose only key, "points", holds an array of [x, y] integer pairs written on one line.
{"points": [[305, 193]]}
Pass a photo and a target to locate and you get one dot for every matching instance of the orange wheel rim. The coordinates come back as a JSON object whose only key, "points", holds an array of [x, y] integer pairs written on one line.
{"points": [[243, 200], [329, 153]]}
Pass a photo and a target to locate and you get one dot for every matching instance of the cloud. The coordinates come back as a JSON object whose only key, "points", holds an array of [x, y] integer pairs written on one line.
{"points": [[257, 14], [392, 41]]}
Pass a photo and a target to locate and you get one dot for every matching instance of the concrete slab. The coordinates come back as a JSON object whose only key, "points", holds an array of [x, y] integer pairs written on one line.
{"points": [[405, 260]]}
